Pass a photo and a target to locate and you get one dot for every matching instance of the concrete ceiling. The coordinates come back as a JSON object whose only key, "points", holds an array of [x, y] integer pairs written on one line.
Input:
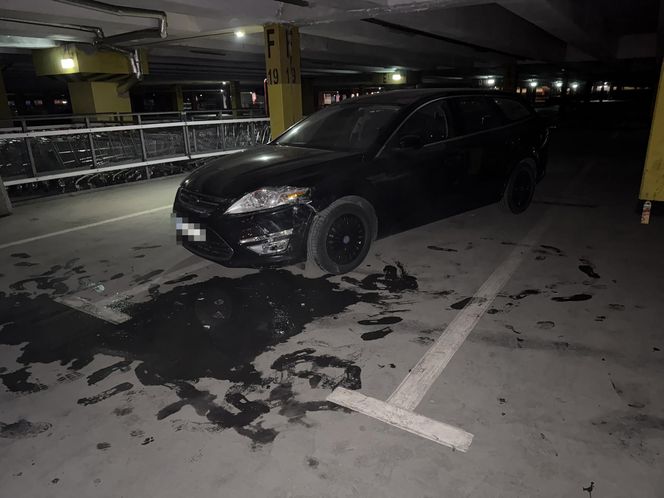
{"points": [[356, 36]]}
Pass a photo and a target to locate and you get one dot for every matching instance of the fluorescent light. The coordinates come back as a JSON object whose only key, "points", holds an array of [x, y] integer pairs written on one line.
{"points": [[67, 63], [239, 34], [491, 81], [396, 77], [533, 84]]}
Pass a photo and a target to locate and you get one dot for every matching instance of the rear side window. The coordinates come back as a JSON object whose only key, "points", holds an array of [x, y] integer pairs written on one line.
{"points": [[513, 109], [474, 114], [429, 123]]}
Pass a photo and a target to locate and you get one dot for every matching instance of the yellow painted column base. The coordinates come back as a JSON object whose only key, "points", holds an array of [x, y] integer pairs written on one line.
{"points": [[285, 107]]}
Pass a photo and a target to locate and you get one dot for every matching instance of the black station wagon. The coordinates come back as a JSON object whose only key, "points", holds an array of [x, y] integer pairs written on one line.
{"points": [[330, 184]]}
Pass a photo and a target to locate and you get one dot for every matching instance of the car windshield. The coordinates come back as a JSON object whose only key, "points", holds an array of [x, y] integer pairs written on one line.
{"points": [[341, 127]]}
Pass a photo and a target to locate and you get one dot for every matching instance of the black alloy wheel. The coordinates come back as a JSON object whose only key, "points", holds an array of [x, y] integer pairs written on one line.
{"points": [[345, 239]]}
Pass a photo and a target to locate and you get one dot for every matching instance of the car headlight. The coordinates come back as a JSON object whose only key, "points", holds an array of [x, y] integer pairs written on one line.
{"points": [[267, 198]]}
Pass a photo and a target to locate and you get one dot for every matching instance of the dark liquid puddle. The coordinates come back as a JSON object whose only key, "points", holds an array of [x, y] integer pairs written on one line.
{"points": [[212, 329]]}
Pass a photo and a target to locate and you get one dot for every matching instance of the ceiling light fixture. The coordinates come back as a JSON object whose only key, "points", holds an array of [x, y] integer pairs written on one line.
{"points": [[396, 77], [67, 63], [533, 84], [239, 33], [491, 81]]}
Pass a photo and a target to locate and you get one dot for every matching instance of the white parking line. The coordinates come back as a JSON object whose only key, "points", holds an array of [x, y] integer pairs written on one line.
{"points": [[398, 409], [419, 380], [83, 227], [103, 308], [433, 430]]}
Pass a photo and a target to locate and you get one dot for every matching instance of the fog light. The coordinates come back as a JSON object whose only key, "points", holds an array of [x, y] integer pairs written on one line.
{"points": [[270, 247], [271, 243]]}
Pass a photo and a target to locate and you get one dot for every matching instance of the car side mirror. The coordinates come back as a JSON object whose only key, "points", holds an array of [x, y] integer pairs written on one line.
{"points": [[410, 142]]}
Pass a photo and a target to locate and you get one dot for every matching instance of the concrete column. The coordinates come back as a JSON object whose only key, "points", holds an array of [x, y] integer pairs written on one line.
{"points": [[660, 33], [5, 112], [308, 97], [510, 77], [236, 97], [97, 97], [652, 182], [5, 203], [282, 61], [178, 98]]}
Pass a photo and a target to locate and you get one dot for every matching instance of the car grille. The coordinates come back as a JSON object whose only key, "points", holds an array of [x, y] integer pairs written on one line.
{"points": [[214, 247], [200, 203]]}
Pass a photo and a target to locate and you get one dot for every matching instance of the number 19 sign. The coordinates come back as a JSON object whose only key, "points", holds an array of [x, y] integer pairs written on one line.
{"points": [[282, 54]]}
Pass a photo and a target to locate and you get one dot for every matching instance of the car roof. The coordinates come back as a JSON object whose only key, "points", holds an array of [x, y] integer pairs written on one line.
{"points": [[413, 96]]}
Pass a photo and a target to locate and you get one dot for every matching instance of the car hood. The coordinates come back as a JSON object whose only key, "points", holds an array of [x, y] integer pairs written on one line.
{"points": [[236, 174]]}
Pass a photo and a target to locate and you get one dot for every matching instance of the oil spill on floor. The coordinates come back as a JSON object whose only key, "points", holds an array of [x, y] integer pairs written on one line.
{"points": [[394, 279], [573, 298], [459, 305], [387, 320], [213, 329], [443, 249], [52, 279], [588, 268], [376, 334], [22, 429], [525, 293]]}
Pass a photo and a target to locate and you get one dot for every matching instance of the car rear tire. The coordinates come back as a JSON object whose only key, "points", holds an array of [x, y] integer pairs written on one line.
{"points": [[520, 188], [341, 235]]}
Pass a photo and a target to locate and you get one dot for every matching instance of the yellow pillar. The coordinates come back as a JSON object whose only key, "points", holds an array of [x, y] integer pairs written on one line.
{"points": [[178, 98], [652, 183], [5, 112], [97, 97], [282, 62], [236, 98]]}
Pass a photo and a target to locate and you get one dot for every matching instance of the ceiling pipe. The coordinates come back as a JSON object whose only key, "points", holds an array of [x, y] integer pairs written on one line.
{"points": [[99, 34], [109, 42], [120, 10]]}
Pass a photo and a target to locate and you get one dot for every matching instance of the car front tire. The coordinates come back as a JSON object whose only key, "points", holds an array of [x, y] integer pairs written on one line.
{"points": [[520, 188], [340, 236]]}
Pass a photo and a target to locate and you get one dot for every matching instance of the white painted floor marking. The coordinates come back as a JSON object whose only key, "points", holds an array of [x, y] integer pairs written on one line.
{"points": [[419, 380], [103, 308], [103, 312], [143, 288], [425, 427], [83, 227], [398, 409]]}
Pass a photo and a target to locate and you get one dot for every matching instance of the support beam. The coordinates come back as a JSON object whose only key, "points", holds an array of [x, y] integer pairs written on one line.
{"points": [[282, 62], [5, 112], [510, 77], [652, 183], [178, 98], [236, 97], [5, 203]]}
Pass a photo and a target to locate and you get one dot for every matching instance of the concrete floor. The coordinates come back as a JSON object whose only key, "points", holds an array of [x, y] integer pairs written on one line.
{"points": [[216, 386]]}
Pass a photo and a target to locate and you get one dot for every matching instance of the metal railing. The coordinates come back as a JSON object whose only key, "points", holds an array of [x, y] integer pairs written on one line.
{"points": [[102, 143]]}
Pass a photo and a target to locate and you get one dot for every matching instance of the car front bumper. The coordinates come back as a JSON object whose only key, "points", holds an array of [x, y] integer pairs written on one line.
{"points": [[270, 238]]}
